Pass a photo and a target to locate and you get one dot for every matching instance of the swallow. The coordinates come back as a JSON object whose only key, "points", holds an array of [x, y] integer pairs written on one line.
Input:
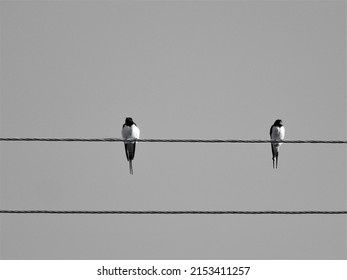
{"points": [[276, 133], [130, 132]]}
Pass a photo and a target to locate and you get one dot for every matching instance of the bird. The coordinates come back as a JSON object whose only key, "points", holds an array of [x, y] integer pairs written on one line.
{"points": [[130, 132], [276, 133]]}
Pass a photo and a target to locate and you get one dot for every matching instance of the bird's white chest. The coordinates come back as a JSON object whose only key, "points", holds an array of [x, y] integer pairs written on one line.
{"points": [[130, 132], [277, 133]]}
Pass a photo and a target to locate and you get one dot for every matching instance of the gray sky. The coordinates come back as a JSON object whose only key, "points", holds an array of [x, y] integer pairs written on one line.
{"points": [[193, 69]]}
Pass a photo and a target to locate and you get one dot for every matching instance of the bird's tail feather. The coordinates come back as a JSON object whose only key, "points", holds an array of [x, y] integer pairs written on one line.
{"points": [[275, 151], [273, 155], [131, 166]]}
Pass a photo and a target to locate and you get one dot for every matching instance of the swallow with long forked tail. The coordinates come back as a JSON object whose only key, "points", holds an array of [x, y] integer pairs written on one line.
{"points": [[130, 132], [276, 133]]}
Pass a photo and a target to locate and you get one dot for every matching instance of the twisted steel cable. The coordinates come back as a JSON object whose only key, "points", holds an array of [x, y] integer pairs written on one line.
{"points": [[180, 212], [173, 140], [190, 212]]}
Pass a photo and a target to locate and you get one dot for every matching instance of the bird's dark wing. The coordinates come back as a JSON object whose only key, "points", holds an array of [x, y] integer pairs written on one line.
{"points": [[273, 150], [126, 150], [271, 130], [132, 147], [130, 150]]}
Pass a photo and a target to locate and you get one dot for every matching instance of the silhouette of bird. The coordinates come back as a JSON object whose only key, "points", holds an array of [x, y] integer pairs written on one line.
{"points": [[130, 132], [276, 133]]}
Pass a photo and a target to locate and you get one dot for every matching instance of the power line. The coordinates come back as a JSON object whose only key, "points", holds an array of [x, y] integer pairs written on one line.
{"points": [[173, 140], [190, 212], [184, 212]]}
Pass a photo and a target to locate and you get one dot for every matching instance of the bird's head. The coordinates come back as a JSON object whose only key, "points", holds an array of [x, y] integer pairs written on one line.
{"points": [[129, 121], [278, 122]]}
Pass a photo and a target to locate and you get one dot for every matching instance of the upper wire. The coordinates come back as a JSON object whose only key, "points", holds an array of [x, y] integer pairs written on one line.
{"points": [[173, 140]]}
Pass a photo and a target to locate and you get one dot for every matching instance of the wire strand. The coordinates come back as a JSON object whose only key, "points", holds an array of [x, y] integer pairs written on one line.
{"points": [[174, 212], [173, 140], [189, 212]]}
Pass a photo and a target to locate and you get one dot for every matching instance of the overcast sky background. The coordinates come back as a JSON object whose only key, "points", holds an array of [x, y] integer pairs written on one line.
{"points": [[181, 69]]}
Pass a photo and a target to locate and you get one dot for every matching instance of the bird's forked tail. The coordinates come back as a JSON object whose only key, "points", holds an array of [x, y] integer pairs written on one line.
{"points": [[275, 151], [131, 166]]}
